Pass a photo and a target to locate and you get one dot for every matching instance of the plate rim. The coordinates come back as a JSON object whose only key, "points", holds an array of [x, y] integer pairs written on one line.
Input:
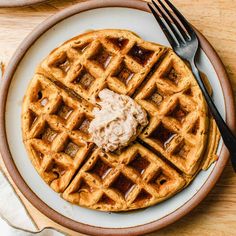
{"points": [[43, 207], [21, 3]]}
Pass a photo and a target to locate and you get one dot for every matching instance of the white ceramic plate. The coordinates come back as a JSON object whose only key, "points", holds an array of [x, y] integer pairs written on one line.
{"points": [[145, 26], [18, 3]]}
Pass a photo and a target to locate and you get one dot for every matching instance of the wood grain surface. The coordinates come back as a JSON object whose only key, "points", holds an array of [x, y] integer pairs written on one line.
{"points": [[216, 19]]}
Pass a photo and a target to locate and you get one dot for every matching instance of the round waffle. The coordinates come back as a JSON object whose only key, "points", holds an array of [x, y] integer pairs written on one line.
{"points": [[179, 140]]}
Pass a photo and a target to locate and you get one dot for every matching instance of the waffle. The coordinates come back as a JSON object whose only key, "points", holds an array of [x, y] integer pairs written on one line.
{"points": [[180, 139]]}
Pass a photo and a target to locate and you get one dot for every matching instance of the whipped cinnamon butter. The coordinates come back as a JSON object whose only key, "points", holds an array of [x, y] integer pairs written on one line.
{"points": [[117, 122]]}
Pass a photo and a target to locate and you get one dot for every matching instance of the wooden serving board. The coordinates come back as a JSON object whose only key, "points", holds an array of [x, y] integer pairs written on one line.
{"points": [[216, 19]]}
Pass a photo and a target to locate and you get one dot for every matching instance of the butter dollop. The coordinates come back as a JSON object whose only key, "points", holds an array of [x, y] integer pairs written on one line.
{"points": [[117, 121]]}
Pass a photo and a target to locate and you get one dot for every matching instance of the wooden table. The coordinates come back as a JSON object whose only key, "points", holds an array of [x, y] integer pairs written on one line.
{"points": [[216, 19]]}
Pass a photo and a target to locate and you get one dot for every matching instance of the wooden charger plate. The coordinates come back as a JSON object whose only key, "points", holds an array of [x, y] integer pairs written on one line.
{"points": [[133, 15], [18, 3]]}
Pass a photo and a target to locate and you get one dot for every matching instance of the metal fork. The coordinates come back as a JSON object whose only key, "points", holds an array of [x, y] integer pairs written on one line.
{"points": [[184, 42]]}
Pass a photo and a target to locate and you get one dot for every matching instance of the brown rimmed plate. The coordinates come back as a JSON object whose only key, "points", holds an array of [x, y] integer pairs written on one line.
{"points": [[97, 14]]}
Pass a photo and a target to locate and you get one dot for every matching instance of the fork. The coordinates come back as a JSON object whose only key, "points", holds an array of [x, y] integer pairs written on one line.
{"points": [[184, 42]]}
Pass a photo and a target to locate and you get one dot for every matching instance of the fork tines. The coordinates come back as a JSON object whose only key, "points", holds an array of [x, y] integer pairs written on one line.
{"points": [[174, 25]]}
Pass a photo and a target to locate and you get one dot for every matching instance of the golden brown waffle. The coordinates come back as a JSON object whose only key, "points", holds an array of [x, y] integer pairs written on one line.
{"points": [[178, 116], [134, 179], [166, 156]]}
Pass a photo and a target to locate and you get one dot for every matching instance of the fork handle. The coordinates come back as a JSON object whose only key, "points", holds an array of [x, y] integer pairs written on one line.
{"points": [[227, 135]]}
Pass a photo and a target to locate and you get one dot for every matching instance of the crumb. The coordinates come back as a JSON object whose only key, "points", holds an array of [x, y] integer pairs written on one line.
{"points": [[2, 69]]}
